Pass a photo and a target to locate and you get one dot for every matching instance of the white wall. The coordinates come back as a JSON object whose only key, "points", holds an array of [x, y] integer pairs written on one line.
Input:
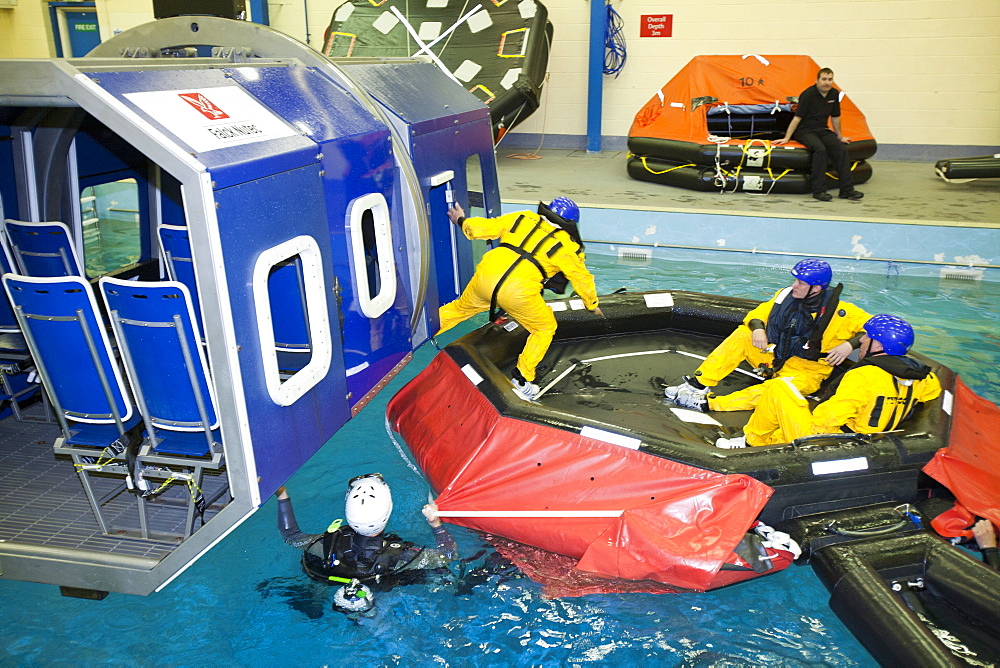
{"points": [[922, 71]]}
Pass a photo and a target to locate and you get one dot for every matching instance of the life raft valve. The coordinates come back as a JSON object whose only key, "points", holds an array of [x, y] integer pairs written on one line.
{"points": [[911, 584]]}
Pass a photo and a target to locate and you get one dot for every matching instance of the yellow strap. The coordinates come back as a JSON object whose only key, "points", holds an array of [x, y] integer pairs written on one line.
{"points": [[773, 177], [643, 158]]}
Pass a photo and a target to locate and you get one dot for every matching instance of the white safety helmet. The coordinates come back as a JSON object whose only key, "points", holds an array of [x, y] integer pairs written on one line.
{"points": [[368, 504]]}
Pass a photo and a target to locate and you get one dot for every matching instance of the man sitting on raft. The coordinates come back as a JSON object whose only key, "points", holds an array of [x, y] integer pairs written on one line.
{"points": [[875, 396], [800, 334], [360, 550]]}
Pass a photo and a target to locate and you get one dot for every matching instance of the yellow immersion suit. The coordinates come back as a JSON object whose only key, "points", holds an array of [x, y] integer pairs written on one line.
{"points": [[807, 375], [520, 295], [868, 400]]}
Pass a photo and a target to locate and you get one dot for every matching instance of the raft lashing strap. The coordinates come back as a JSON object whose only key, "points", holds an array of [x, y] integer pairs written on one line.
{"points": [[653, 171]]}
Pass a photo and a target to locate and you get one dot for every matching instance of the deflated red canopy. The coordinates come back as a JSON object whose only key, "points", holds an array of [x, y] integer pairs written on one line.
{"points": [[970, 466], [678, 524]]}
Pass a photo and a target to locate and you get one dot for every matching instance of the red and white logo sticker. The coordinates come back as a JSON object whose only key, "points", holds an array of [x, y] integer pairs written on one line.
{"points": [[204, 105]]}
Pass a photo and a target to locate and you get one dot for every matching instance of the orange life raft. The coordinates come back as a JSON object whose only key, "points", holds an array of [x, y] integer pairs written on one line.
{"points": [[711, 127]]}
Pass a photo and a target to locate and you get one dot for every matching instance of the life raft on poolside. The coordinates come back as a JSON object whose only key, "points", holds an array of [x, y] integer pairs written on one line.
{"points": [[599, 469], [722, 113], [980, 167]]}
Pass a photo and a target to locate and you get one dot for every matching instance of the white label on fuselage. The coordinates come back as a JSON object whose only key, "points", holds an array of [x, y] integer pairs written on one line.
{"points": [[659, 300], [611, 437], [557, 306], [576, 304], [212, 118], [840, 466]]}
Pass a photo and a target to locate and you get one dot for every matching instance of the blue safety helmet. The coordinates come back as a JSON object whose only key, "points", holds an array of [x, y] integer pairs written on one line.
{"points": [[813, 272], [565, 208], [894, 333]]}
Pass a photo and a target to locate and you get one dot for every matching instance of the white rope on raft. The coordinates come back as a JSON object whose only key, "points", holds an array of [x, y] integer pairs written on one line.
{"points": [[620, 355]]}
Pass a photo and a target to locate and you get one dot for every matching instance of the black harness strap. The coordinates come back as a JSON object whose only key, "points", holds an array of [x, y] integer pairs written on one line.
{"points": [[898, 415], [522, 254]]}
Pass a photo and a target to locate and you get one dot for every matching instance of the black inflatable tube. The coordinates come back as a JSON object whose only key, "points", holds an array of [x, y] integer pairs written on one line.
{"points": [[980, 167], [781, 157], [748, 180], [880, 619], [523, 98], [893, 463]]}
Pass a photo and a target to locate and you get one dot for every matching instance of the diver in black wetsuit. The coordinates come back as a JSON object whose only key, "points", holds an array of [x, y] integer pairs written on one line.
{"points": [[361, 551]]}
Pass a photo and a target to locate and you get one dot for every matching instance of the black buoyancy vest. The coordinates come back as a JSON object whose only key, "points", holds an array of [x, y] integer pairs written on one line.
{"points": [[348, 554], [898, 366], [796, 328]]}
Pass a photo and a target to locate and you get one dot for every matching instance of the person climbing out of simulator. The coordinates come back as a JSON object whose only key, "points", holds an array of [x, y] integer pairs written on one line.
{"points": [[818, 108], [875, 396], [536, 250], [361, 550], [802, 333]]}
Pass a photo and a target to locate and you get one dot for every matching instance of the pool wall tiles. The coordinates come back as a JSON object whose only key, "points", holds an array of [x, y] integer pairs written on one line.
{"points": [[922, 250]]}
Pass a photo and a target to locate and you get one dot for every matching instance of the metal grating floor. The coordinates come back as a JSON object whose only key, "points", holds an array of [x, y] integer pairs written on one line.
{"points": [[42, 500]]}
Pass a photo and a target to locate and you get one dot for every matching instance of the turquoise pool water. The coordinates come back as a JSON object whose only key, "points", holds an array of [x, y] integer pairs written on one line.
{"points": [[247, 603]]}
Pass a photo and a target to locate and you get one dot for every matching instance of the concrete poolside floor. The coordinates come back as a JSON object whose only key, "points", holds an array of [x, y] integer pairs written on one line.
{"points": [[897, 191]]}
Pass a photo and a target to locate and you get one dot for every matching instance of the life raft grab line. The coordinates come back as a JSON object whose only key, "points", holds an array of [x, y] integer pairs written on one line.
{"points": [[854, 166], [531, 513], [653, 171]]}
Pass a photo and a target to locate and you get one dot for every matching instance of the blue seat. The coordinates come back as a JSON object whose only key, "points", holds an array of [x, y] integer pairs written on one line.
{"points": [[284, 284], [75, 361], [176, 247], [158, 339], [42, 249]]}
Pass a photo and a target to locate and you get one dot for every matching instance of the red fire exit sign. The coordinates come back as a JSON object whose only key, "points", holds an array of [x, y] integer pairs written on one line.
{"points": [[656, 25]]}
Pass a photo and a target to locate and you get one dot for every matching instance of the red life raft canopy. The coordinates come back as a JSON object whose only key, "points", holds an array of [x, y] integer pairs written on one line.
{"points": [[679, 111], [970, 466], [619, 513]]}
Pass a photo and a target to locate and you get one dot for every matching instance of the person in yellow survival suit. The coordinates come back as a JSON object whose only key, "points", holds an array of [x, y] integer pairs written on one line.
{"points": [[535, 248], [875, 396], [802, 333]]}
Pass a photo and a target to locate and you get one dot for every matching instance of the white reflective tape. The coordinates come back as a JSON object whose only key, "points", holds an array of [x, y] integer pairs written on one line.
{"points": [[480, 21], [557, 306], [467, 71], [840, 466], [576, 304], [611, 437], [385, 22], [948, 402], [659, 300], [513, 74], [472, 374]]}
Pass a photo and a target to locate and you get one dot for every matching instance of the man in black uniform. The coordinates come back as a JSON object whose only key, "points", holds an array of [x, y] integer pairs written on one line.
{"points": [[811, 129]]}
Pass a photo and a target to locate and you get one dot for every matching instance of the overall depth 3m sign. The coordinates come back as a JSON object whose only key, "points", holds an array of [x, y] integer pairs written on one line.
{"points": [[656, 25]]}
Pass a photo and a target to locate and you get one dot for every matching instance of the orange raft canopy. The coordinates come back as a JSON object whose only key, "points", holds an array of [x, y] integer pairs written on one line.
{"points": [[711, 127]]}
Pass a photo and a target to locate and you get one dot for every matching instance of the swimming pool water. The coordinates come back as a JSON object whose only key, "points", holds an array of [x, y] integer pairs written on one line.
{"points": [[247, 602]]}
